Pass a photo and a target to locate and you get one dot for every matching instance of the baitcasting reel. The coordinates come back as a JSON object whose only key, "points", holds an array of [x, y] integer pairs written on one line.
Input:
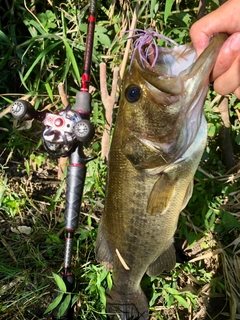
{"points": [[62, 130]]}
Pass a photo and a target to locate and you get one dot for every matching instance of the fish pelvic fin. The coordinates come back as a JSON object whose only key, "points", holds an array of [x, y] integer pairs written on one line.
{"points": [[124, 306], [165, 262], [161, 194], [103, 252]]}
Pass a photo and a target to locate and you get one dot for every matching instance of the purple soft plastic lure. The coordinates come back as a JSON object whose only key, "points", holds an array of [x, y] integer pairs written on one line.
{"points": [[146, 45]]}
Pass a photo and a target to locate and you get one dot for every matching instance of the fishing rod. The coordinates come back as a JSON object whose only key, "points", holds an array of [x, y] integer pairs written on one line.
{"points": [[64, 135]]}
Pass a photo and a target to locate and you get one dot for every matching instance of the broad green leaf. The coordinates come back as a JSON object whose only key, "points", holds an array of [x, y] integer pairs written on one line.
{"points": [[64, 305], [101, 36], [171, 290], [109, 280], [211, 130], [102, 294], [102, 275], [47, 19], [104, 39], [74, 300], [181, 301], [154, 298], [36, 26], [54, 304], [83, 27], [170, 300], [60, 283], [84, 234]]}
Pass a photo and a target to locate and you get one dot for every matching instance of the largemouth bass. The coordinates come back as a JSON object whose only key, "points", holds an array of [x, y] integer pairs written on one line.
{"points": [[159, 137]]}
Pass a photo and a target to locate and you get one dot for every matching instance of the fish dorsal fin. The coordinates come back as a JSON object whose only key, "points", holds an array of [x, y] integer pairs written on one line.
{"points": [[165, 262], [161, 195], [103, 252]]}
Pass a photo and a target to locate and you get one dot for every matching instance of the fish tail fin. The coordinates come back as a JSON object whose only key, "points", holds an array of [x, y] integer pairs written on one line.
{"points": [[124, 306]]}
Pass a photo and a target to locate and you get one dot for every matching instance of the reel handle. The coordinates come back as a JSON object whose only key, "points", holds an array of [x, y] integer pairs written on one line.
{"points": [[24, 110]]}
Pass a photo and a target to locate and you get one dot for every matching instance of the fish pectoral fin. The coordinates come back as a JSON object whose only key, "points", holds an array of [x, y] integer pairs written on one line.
{"points": [[161, 195], [103, 252], [165, 262]]}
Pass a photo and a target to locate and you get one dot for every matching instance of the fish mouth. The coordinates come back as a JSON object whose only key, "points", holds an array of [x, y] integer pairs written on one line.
{"points": [[168, 68]]}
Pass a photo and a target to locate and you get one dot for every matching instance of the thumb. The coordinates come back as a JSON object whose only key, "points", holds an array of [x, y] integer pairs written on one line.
{"points": [[223, 19]]}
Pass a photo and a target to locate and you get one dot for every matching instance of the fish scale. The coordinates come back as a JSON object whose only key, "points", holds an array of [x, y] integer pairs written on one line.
{"points": [[159, 137]]}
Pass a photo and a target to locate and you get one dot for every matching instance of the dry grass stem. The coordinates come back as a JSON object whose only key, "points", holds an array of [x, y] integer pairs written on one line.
{"points": [[129, 42], [201, 8], [62, 161], [63, 95], [108, 103], [9, 249], [225, 141], [207, 255]]}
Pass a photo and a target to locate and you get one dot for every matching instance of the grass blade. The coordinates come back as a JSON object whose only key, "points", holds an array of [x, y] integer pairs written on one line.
{"points": [[168, 9], [49, 90], [40, 56], [6, 57], [70, 56]]}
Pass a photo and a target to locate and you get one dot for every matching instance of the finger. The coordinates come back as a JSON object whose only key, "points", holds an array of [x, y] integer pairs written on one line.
{"points": [[230, 80], [228, 53], [224, 19], [237, 92]]}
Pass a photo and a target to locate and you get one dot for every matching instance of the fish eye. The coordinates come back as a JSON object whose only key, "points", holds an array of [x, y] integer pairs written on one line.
{"points": [[133, 93]]}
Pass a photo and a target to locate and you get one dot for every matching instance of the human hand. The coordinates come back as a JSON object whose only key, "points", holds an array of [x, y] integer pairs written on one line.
{"points": [[226, 72]]}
